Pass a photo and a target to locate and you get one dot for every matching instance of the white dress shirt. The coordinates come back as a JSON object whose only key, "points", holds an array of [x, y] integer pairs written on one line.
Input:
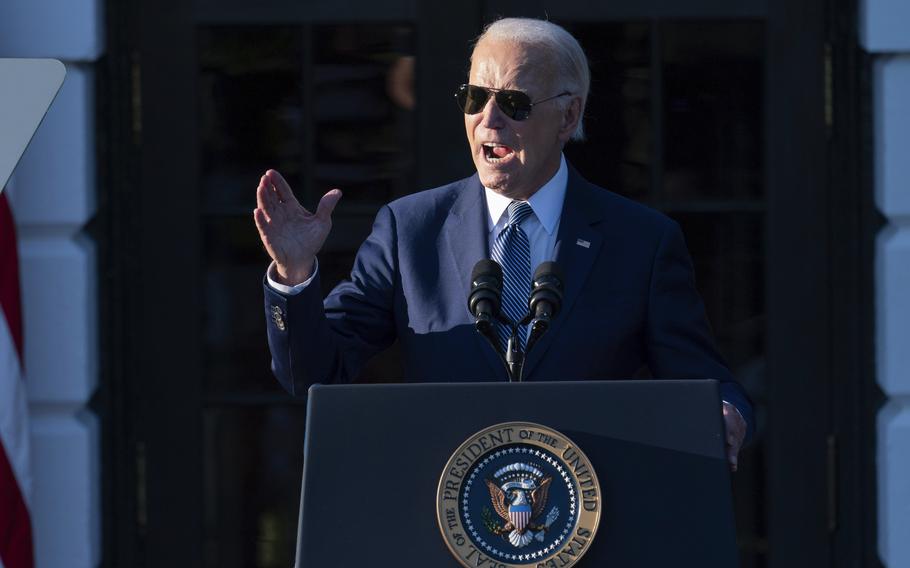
{"points": [[542, 226]]}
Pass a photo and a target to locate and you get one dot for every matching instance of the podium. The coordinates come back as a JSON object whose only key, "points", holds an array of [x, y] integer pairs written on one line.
{"points": [[374, 457]]}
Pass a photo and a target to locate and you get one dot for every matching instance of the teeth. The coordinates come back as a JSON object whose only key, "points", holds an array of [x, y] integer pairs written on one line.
{"points": [[488, 152]]}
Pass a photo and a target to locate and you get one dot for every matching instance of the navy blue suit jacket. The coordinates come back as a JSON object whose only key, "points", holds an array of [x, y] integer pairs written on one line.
{"points": [[630, 299]]}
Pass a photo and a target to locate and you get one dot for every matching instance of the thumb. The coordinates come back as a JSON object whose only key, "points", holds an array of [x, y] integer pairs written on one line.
{"points": [[327, 204]]}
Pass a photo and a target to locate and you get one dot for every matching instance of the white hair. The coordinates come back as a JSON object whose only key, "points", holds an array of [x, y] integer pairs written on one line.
{"points": [[572, 72]]}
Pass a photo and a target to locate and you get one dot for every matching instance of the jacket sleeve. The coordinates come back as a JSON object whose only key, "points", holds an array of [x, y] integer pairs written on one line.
{"points": [[680, 341], [315, 341]]}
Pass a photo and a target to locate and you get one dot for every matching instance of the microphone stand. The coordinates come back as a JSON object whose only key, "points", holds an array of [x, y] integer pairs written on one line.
{"points": [[486, 329], [514, 357], [539, 326], [544, 302], [486, 288]]}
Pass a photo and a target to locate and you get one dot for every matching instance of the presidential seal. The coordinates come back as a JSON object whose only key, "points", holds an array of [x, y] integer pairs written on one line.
{"points": [[518, 494]]}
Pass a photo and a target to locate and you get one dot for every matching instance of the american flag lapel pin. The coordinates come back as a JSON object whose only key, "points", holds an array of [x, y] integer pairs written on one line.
{"points": [[583, 243]]}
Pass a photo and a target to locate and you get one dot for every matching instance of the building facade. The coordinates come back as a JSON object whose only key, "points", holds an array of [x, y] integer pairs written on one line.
{"points": [[149, 438], [53, 193], [883, 25]]}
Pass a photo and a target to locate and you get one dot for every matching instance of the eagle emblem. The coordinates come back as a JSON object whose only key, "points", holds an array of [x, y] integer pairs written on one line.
{"points": [[519, 497], [512, 495]]}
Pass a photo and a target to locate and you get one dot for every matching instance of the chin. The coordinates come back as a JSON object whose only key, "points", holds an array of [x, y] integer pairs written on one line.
{"points": [[496, 181], [502, 182]]}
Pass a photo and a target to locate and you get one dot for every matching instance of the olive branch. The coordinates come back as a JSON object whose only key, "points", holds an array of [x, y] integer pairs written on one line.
{"points": [[487, 517]]}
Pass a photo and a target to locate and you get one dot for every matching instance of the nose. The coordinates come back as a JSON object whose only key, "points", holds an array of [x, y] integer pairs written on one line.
{"points": [[492, 116]]}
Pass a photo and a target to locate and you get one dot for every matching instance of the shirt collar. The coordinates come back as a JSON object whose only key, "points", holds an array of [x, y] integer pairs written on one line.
{"points": [[546, 201]]}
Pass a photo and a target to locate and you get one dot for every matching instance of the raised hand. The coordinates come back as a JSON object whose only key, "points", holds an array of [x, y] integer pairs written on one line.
{"points": [[291, 235]]}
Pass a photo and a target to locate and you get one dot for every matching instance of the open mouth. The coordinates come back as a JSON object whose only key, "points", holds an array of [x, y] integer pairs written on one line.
{"points": [[496, 153]]}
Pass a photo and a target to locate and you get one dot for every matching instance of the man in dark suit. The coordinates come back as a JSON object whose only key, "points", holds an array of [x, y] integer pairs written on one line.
{"points": [[630, 297]]}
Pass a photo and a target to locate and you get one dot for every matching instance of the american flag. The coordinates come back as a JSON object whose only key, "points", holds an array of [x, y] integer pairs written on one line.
{"points": [[15, 478]]}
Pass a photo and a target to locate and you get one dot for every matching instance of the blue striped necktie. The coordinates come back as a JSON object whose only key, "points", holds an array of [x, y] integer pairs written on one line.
{"points": [[512, 251]]}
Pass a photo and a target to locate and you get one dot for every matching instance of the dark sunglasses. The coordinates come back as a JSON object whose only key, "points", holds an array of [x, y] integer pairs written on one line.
{"points": [[515, 104]]}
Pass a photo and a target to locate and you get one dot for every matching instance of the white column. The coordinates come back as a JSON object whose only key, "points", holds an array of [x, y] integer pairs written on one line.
{"points": [[53, 196], [883, 29]]}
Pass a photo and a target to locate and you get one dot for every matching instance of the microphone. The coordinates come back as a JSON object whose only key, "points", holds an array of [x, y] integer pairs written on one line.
{"points": [[485, 297], [546, 298]]}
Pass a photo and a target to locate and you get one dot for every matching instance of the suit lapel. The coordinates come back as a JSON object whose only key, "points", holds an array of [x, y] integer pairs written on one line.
{"points": [[465, 231], [577, 247]]}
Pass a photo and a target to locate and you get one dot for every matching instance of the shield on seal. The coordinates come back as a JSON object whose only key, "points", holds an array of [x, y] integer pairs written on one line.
{"points": [[520, 515]]}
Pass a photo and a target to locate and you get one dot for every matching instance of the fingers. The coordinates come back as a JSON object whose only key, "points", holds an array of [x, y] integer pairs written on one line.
{"points": [[734, 443], [262, 225], [733, 457], [327, 204], [282, 189], [736, 433], [261, 221], [734, 422], [268, 200]]}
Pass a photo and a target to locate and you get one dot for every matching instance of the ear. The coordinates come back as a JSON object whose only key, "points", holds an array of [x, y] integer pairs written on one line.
{"points": [[570, 118]]}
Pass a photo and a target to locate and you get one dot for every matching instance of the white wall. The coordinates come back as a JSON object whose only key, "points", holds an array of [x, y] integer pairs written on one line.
{"points": [[53, 196], [884, 26]]}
